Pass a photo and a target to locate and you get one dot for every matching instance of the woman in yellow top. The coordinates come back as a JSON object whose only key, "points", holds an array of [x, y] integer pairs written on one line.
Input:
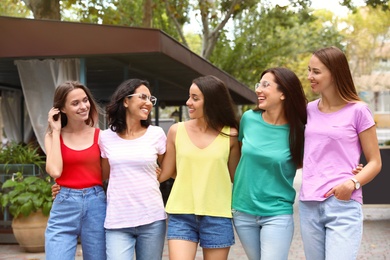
{"points": [[202, 155]]}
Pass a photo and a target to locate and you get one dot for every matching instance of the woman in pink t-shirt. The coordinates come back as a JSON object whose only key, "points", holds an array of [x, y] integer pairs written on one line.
{"points": [[130, 150], [339, 127]]}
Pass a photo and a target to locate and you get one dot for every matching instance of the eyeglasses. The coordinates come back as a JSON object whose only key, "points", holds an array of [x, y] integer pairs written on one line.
{"points": [[262, 85], [145, 97]]}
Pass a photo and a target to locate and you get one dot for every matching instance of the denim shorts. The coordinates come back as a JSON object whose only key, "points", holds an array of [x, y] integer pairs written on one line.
{"points": [[209, 232]]}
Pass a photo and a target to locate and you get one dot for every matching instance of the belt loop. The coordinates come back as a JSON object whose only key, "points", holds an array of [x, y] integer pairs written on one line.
{"points": [[67, 191]]}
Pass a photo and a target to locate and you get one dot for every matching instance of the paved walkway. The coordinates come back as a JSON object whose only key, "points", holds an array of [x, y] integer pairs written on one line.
{"points": [[375, 244]]}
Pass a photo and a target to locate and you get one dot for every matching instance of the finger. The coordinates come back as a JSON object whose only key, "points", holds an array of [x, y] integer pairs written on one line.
{"points": [[329, 193]]}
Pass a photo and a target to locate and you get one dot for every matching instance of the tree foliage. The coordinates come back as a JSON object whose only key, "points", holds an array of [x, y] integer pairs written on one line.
{"points": [[368, 29], [272, 37], [381, 4], [243, 37], [14, 8]]}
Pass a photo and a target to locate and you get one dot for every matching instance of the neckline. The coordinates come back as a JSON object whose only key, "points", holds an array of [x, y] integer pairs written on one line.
{"points": [[208, 145], [134, 139], [333, 112], [268, 124]]}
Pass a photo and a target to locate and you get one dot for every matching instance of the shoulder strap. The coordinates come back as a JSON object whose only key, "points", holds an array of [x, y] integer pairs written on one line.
{"points": [[96, 136]]}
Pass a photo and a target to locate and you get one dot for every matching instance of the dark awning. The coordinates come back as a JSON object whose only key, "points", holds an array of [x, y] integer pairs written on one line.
{"points": [[111, 55]]}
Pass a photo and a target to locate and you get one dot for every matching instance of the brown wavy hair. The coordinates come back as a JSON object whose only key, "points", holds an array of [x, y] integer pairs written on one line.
{"points": [[61, 94]]}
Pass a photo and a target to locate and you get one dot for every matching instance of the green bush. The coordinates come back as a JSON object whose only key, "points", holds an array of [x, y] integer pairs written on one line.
{"points": [[26, 195], [18, 153]]}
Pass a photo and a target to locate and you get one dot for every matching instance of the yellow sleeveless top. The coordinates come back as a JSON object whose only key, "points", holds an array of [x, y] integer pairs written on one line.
{"points": [[202, 185]]}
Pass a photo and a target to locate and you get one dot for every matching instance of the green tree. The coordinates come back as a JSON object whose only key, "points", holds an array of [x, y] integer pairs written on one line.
{"points": [[14, 8], [275, 36], [366, 30], [382, 4]]}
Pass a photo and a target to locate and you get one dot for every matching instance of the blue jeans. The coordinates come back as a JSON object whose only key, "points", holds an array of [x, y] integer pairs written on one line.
{"points": [[146, 241], [331, 229], [265, 238], [77, 212]]}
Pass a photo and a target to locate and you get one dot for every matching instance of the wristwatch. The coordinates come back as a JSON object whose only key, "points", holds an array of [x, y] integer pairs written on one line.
{"points": [[357, 183]]}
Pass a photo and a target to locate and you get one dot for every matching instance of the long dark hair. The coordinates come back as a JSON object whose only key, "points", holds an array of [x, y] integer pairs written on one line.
{"points": [[336, 62], [61, 94], [219, 109], [295, 103], [116, 112]]}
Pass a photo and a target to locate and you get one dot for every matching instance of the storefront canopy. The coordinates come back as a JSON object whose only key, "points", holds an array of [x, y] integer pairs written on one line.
{"points": [[109, 55]]}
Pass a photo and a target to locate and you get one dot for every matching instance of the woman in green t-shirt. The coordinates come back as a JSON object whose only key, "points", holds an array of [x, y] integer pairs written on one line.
{"points": [[272, 150]]}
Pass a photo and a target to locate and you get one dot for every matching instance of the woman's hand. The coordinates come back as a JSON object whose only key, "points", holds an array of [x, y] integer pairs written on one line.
{"points": [[55, 189], [158, 172], [344, 190], [358, 168], [54, 119]]}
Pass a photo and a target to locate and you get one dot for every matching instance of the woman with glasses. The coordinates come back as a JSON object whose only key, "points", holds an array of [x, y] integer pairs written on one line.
{"points": [[339, 128], [202, 153], [130, 150], [272, 149]]}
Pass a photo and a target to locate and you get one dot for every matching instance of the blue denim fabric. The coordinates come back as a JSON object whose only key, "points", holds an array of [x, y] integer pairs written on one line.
{"points": [[77, 212], [210, 232], [265, 238], [146, 242], [331, 229]]}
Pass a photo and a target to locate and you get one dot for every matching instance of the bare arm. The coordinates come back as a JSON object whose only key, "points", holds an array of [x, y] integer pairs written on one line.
{"points": [[168, 166], [369, 143], [160, 158], [235, 154], [54, 163], [105, 169]]}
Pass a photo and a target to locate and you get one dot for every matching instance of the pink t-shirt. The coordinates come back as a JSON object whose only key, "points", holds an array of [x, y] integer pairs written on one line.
{"points": [[332, 148], [133, 194]]}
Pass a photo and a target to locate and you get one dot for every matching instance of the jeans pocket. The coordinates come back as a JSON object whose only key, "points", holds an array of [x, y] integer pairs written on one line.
{"points": [[60, 198], [340, 200], [102, 196]]}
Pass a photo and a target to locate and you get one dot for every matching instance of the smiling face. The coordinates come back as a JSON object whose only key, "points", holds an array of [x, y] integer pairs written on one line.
{"points": [[195, 102], [268, 94], [138, 107], [77, 105], [319, 75]]}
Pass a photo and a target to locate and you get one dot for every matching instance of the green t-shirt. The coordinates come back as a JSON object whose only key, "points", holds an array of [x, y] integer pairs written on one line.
{"points": [[263, 183]]}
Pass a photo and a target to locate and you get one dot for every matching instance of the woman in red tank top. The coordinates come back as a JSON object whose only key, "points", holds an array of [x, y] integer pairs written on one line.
{"points": [[73, 159]]}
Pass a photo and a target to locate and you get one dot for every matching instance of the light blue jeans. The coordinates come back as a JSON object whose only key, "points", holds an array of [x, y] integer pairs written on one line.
{"points": [[146, 241], [265, 238], [331, 229], [77, 212]]}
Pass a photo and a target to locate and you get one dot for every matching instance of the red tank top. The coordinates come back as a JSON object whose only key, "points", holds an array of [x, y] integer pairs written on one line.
{"points": [[81, 168]]}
